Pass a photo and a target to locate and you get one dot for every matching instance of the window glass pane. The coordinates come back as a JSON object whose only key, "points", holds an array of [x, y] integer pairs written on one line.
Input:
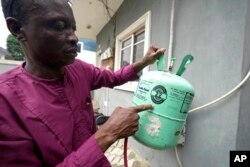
{"points": [[125, 56], [139, 37], [138, 52], [126, 42]]}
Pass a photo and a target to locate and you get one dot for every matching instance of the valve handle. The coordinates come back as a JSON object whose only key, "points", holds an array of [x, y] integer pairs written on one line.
{"points": [[160, 63], [186, 60]]}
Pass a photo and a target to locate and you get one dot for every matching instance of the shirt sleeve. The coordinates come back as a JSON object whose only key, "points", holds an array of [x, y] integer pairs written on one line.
{"points": [[17, 148], [100, 77], [87, 155]]}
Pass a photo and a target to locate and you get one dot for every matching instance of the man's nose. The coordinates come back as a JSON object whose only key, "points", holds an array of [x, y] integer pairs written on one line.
{"points": [[73, 39]]}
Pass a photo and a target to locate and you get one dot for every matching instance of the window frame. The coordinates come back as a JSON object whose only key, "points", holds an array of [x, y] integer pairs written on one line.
{"points": [[143, 21]]}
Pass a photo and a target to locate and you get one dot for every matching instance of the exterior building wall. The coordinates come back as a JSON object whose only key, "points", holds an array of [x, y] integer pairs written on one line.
{"points": [[216, 33]]}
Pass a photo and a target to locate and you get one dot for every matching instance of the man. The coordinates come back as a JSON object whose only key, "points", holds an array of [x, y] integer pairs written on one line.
{"points": [[46, 115]]}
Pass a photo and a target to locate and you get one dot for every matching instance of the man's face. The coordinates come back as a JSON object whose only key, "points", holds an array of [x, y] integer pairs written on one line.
{"points": [[50, 34]]}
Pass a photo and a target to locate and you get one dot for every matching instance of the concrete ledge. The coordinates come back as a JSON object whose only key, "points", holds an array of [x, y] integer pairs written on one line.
{"points": [[11, 62]]}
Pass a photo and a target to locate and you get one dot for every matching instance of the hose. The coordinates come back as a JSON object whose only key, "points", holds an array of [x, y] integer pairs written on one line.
{"points": [[125, 155]]}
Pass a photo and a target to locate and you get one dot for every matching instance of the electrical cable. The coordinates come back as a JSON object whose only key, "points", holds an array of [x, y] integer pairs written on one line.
{"points": [[107, 8], [213, 102], [171, 36], [177, 157], [170, 53], [195, 109], [224, 96]]}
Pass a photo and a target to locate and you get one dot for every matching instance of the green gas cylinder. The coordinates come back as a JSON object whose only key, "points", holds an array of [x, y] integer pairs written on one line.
{"points": [[171, 95]]}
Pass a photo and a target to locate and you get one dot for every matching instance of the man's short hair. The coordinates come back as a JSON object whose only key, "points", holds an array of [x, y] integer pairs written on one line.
{"points": [[16, 9]]}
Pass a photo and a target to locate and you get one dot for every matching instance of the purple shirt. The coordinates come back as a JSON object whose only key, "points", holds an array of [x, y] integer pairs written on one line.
{"points": [[51, 122]]}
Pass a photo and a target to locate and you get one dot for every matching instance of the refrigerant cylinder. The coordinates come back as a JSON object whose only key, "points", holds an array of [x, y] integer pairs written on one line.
{"points": [[171, 95]]}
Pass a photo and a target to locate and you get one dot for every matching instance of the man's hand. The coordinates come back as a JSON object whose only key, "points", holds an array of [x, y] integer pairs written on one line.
{"points": [[150, 57], [121, 124]]}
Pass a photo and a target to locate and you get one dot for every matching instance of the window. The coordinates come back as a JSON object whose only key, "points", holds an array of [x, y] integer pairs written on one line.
{"points": [[131, 46]]}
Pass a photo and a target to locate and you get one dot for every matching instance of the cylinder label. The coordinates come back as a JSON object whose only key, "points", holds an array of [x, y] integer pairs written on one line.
{"points": [[177, 99], [143, 89], [158, 94], [177, 96]]}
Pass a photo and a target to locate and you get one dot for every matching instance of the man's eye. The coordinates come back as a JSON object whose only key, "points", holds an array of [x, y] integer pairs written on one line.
{"points": [[60, 25]]}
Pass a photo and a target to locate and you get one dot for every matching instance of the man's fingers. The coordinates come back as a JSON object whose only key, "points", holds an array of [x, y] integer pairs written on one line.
{"points": [[143, 107], [154, 47], [160, 51]]}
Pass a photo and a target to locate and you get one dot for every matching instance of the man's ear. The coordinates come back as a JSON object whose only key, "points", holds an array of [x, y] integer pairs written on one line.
{"points": [[14, 27]]}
